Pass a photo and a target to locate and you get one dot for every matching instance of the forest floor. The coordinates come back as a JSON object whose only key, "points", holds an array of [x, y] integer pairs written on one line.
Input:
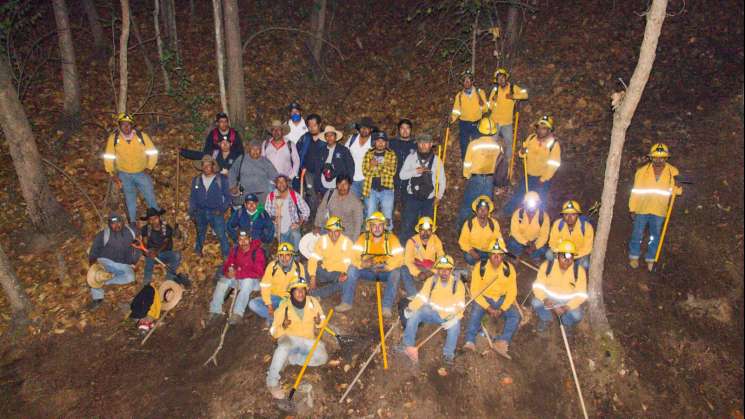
{"points": [[680, 328]]}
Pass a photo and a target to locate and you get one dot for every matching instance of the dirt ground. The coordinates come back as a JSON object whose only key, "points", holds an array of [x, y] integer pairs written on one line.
{"points": [[680, 328]]}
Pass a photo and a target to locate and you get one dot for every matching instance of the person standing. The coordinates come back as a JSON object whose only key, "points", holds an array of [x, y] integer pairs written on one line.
{"points": [[129, 157], [210, 197], [281, 151], [296, 124], [503, 100], [288, 210], [379, 168], [358, 145], [403, 145], [469, 106], [334, 162], [309, 148], [212, 142], [250, 174]]}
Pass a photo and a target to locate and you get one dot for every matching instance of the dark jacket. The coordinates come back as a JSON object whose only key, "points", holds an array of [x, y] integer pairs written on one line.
{"points": [[212, 143], [249, 264], [115, 246], [341, 161], [402, 149], [310, 153], [216, 199], [226, 163], [259, 225]]}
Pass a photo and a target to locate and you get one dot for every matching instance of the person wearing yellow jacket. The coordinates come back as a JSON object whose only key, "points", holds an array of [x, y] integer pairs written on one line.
{"points": [[560, 288], [499, 278], [541, 153], [441, 301], [654, 184], [277, 276], [330, 260], [376, 256], [484, 168], [479, 231], [420, 254], [294, 326], [128, 157], [502, 102], [575, 227], [469, 106], [529, 228]]}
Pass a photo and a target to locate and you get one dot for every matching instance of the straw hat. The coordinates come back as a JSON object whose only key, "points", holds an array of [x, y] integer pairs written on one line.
{"points": [[170, 294], [276, 123], [97, 276], [330, 129]]}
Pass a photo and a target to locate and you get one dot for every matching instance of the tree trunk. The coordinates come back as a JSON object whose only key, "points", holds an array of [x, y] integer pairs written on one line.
{"points": [[236, 86], [474, 35], [220, 52], [43, 209], [512, 31], [138, 37], [19, 303], [70, 81], [96, 29], [168, 9], [159, 43], [123, 42], [318, 23], [621, 121]]}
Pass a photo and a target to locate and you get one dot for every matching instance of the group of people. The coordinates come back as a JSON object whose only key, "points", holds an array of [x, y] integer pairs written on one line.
{"points": [[305, 177]]}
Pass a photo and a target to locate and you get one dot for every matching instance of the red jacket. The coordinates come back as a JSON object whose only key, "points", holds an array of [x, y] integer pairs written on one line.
{"points": [[249, 264]]}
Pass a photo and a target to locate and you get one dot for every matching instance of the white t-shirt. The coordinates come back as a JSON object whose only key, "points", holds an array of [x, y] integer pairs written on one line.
{"points": [[207, 181], [296, 131], [358, 151]]}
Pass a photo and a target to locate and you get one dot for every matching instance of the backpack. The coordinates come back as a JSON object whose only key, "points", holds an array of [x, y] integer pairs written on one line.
{"points": [[422, 186], [576, 269], [478, 96], [541, 216], [288, 143], [482, 268], [582, 222], [216, 137], [434, 282], [489, 221], [234, 251], [293, 197], [294, 262], [107, 233], [138, 134]]}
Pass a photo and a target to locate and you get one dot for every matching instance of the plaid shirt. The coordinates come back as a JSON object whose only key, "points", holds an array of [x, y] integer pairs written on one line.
{"points": [[385, 171]]}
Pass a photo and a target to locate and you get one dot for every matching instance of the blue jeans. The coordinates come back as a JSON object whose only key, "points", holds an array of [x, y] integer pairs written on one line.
{"points": [[428, 315], [471, 261], [257, 306], [413, 209], [356, 188], [291, 236], [391, 279], [293, 350], [584, 261], [534, 184], [243, 287], [327, 283], [505, 131], [511, 319], [467, 131], [170, 258], [568, 319], [133, 182], [408, 280], [384, 199], [216, 219], [123, 274], [476, 186], [653, 224], [517, 249]]}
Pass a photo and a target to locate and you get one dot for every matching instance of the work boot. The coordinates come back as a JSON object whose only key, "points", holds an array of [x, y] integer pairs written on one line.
{"points": [[343, 307], [413, 353], [502, 347], [235, 319], [634, 263], [387, 313], [650, 266], [94, 304], [448, 360], [277, 392], [470, 346]]}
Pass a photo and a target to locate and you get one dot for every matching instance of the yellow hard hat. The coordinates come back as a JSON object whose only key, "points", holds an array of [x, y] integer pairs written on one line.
{"points": [[481, 201], [531, 199], [445, 262], [124, 117], [659, 150], [334, 224], [285, 249], [571, 207], [499, 71], [425, 223], [546, 121], [298, 283], [487, 126], [497, 246], [566, 246], [376, 217]]}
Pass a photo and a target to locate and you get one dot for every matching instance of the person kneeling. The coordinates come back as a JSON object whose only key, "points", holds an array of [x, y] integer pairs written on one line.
{"points": [[277, 276], [440, 301], [295, 321], [329, 263], [560, 290], [241, 271], [498, 280]]}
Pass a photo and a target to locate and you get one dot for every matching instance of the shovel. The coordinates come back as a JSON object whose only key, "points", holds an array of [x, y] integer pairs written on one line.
{"points": [[181, 279]]}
